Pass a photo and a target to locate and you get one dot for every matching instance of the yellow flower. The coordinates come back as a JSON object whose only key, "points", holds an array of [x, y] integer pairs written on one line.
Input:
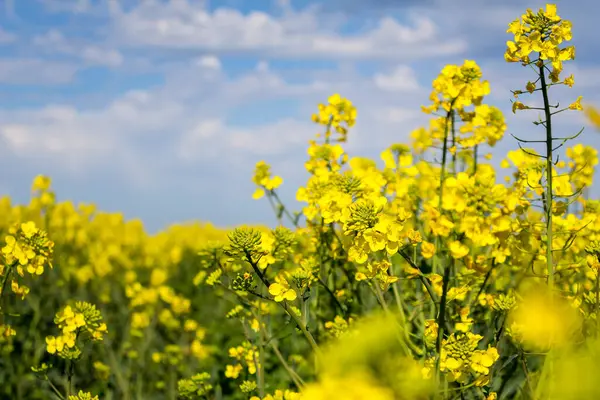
{"points": [[54, 344], [427, 249], [233, 371], [352, 387], [281, 290], [542, 321], [41, 183], [576, 105], [29, 229], [458, 249]]}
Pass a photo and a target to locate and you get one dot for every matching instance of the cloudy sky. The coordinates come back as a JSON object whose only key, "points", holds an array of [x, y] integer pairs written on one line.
{"points": [[161, 108]]}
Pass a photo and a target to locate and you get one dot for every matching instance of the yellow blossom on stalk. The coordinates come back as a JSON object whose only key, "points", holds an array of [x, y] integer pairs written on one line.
{"points": [[397, 155], [576, 105], [233, 371], [246, 354], [339, 114], [58, 343], [541, 33], [41, 183], [463, 362], [19, 290], [485, 125], [333, 203], [458, 249], [338, 326], [324, 158], [422, 140], [427, 250], [263, 179], [438, 224], [465, 322], [378, 270], [281, 291], [372, 229], [75, 322], [431, 332], [101, 370], [28, 247], [69, 320]]}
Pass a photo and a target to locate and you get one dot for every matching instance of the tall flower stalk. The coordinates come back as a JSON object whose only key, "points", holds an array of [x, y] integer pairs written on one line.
{"points": [[541, 34]]}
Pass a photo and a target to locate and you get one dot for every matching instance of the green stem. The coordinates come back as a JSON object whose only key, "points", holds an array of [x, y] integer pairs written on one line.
{"points": [[70, 366], [307, 334], [454, 156], [55, 389], [402, 314], [442, 318], [549, 255], [442, 175], [122, 383], [172, 384], [333, 297], [261, 359], [7, 272], [295, 377]]}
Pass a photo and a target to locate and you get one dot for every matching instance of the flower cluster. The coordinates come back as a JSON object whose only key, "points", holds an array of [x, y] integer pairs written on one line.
{"points": [[339, 114], [264, 180], [245, 355], [462, 361], [195, 386], [80, 322], [542, 32], [27, 249]]}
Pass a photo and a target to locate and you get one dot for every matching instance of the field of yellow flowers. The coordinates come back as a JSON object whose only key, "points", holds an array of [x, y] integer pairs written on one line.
{"points": [[425, 279]]}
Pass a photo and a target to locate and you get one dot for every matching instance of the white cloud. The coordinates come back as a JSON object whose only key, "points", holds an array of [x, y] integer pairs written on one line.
{"points": [[402, 79], [197, 138], [262, 66], [396, 115], [54, 42], [57, 135], [213, 138], [35, 71], [184, 25], [98, 56], [70, 6], [53, 39], [179, 124], [166, 123], [210, 62]]}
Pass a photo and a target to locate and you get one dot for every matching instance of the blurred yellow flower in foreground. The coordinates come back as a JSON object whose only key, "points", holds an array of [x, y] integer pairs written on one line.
{"points": [[370, 361], [542, 321]]}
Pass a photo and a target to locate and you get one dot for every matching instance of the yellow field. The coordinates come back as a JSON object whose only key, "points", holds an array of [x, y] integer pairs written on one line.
{"points": [[414, 280]]}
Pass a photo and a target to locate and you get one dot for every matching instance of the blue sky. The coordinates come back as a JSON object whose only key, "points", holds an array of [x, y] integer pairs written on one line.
{"points": [[161, 108]]}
